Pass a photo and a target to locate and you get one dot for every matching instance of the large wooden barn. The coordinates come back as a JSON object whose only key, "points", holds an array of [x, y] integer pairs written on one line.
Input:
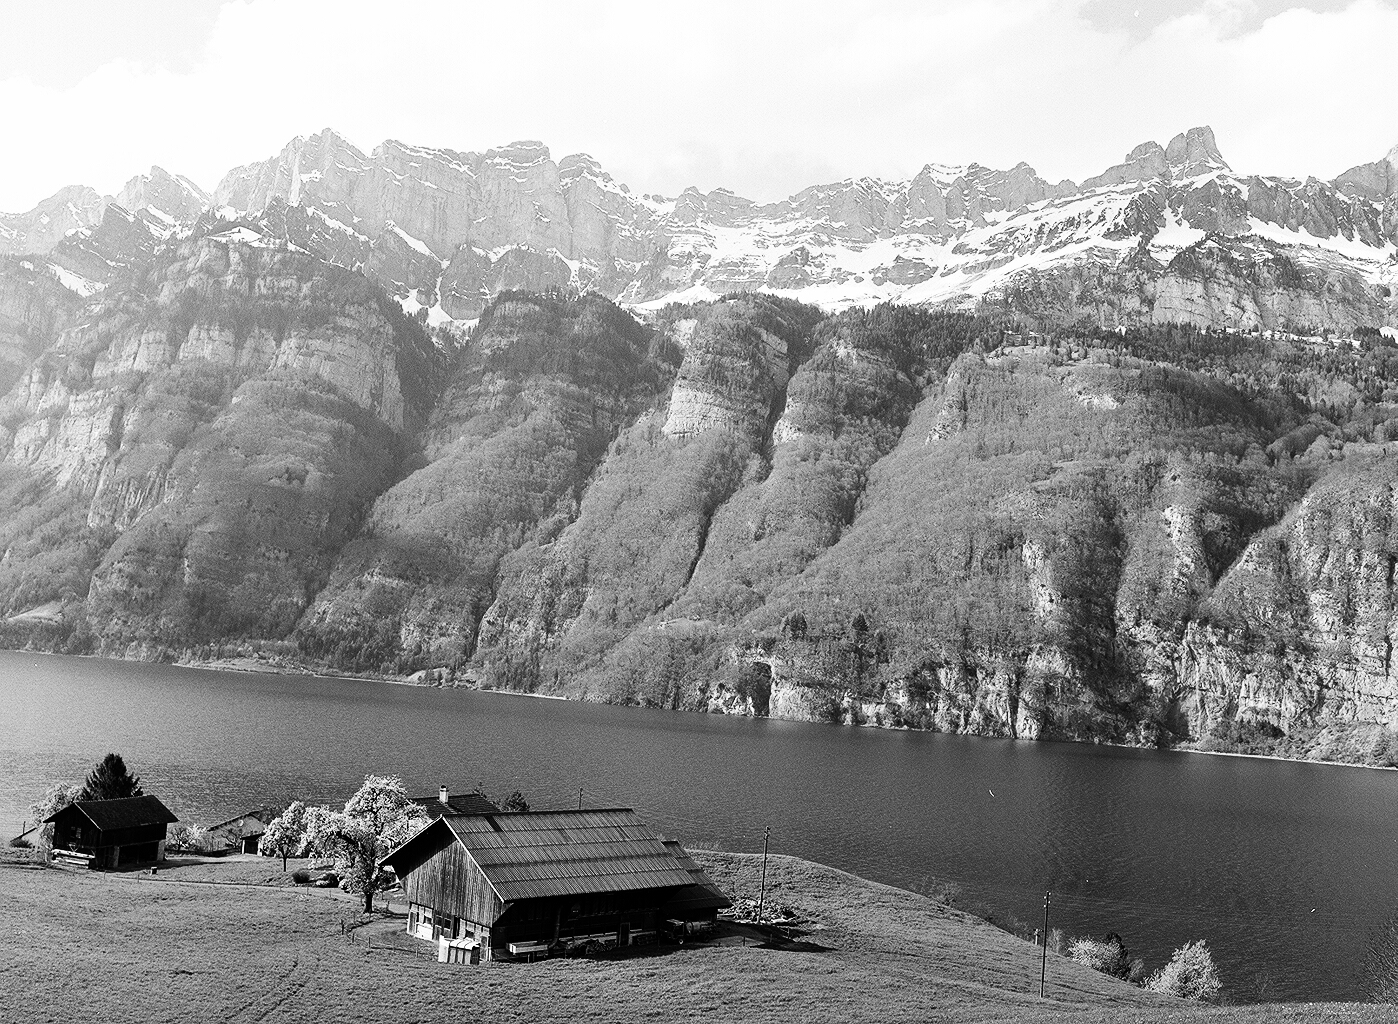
{"points": [[111, 833], [518, 883]]}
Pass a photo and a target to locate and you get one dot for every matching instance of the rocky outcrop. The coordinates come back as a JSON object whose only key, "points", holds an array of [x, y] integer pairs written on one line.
{"points": [[166, 201], [205, 446], [1239, 283], [1256, 286], [1302, 627], [34, 307], [40, 229], [1374, 180], [529, 408], [732, 373]]}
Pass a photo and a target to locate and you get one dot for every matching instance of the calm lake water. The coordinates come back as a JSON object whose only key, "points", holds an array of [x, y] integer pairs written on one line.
{"points": [[1286, 869]]}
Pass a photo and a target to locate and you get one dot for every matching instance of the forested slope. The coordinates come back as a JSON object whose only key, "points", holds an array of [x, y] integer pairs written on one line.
{"points": [[895, 515]]}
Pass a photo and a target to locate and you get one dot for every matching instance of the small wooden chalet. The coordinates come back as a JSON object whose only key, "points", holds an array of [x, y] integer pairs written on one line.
{"points": [[240, 834], [111, 833], [518, 883], [461, 803]]}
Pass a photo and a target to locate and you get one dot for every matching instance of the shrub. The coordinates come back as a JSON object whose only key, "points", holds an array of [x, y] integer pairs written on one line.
{"points": [[20, 843], [1190, 974], [1109, 955], [1381, 962], [301, 876], [189, 838]]}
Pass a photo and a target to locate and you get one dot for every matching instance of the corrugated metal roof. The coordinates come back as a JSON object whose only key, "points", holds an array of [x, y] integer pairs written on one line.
{"points": [[703, 893], [129, 812], [535, 854]]}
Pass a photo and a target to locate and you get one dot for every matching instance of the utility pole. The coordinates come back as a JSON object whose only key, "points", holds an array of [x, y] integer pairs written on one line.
{"points": [[1043, 959], [580, 789], [762, 894]]}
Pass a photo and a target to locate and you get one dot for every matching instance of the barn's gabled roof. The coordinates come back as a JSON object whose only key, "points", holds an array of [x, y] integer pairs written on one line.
{"points": [[702, 893], [128, 812], [536, 854]]}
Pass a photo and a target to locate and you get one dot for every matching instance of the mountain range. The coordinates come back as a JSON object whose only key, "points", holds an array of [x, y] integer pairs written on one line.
{"points": [[1115, 461], [446, 231]]}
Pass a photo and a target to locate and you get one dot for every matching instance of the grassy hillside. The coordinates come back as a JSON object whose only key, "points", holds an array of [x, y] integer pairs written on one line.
{"points": [[159, 949]]}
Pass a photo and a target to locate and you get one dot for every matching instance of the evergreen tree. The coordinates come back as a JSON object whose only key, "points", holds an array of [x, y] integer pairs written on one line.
{"points": [[111, 781]]}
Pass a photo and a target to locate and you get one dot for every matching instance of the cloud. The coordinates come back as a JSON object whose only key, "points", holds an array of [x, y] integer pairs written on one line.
{"points": [[763, 99]]}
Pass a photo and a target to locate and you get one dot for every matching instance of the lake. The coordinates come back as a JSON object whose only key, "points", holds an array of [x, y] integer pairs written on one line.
{"points": [[1287, 870]]}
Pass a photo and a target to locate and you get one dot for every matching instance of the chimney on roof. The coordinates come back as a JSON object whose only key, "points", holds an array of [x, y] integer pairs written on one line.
{"points": [[442, 794]]}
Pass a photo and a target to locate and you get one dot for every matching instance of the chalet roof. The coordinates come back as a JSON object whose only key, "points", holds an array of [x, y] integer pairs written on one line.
{"points": [[536, 854], [254, 820], [128, 812], [462, 803], [245, 826]]}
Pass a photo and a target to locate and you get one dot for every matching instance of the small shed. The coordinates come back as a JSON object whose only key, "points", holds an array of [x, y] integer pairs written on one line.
{"points": [[111, 833], [519, 883]]}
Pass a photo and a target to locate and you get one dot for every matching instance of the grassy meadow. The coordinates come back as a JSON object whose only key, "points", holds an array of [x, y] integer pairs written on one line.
{"points": [[182, 947]]}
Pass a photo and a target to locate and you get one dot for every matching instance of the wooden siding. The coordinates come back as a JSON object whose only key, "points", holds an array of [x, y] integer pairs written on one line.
{"points": [[78, 832], [442, 875]]}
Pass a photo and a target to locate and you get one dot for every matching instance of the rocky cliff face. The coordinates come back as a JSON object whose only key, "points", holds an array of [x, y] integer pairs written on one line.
{"points": [[1035, 542], [204, 443], [1136, 528], [34, 307], [530, 405], [1304, 620]]}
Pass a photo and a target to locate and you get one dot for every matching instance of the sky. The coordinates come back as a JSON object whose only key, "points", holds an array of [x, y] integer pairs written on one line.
{"points": [[763, 97]]}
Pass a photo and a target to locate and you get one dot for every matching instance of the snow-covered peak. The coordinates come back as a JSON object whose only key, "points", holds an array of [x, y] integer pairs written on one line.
{"points": [[942, 174], [1195, 152], [582, 163], [523, 154], [169, 199]]}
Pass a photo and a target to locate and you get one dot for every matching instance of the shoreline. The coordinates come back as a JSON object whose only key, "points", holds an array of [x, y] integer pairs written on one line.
{"points": [[255, 666], [1285, 760]]}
